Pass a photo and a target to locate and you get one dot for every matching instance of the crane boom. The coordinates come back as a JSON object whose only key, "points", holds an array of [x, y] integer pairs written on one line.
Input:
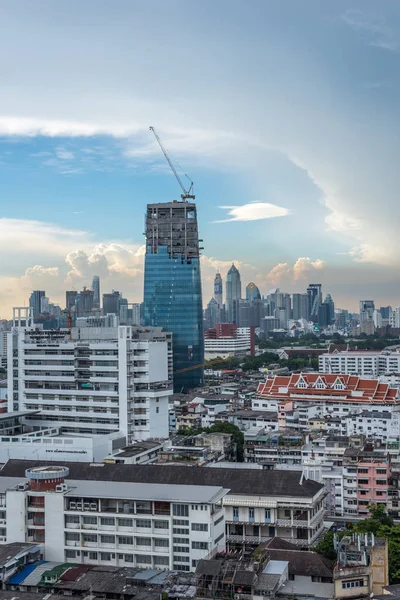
{"points": [[186, 193]]}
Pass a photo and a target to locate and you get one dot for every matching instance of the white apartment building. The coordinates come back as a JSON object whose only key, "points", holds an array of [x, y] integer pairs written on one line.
{"points": [[113, 523], [366, 363], [238, 345], [91, 380], [254, 505]]}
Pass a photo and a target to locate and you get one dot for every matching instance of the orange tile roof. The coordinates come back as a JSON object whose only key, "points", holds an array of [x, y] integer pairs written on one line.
{"points": [[355, 389]]}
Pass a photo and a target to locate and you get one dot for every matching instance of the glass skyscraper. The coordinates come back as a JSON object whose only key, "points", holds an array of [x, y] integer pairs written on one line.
{"points": [[172, 286]]}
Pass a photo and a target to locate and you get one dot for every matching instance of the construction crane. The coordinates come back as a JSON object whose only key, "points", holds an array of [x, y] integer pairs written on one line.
{"points": [[187, 193]]}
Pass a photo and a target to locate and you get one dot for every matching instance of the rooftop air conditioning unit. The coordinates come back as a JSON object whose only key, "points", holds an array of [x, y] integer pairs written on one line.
{"points": [[72, 505], [79, 506], [61, 487], [86, 506], [23, 486]]}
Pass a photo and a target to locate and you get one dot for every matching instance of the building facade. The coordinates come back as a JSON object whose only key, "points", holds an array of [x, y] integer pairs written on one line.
{"points": [[172, 286], [233, 292], [92, 380]]}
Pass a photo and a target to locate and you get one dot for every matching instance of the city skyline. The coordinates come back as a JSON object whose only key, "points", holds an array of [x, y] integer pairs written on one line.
{"points": [[292, 192]]}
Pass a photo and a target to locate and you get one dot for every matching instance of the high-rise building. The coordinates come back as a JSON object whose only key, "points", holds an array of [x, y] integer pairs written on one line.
{"points": [[104, 379], [212, 314], [84, 301], [331, 311], [300, 307], [218, 289], [111, 303], [35, 301], [70, 297], [44, 305], [367, 308], [96, 291], [386, 311], [233, 291], [252, 292], [172, 286], [314, 293]]}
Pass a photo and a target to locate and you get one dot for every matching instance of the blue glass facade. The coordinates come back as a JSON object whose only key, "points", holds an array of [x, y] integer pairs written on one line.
{"points": [[172, 289]]}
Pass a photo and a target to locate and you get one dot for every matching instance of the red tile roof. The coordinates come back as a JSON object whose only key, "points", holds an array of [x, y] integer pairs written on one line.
{"points": [[355, 388]]}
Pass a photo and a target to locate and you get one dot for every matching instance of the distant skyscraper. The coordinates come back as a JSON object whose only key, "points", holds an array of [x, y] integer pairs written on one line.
{"points": [[212, 314], [44, 305], [96, 291], [367, 308], [112, 303], [314, 292], [172, 286], [233, 291], [35, 301], [300, 307], [84, 301], [331, 312], [218, 290], [252, 292], [70, 297]]}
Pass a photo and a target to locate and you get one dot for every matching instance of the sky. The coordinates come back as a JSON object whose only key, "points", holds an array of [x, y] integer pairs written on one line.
{"points": [[283, 113]]}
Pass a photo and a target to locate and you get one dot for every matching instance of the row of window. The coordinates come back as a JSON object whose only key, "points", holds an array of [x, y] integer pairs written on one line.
{"points": [[251, 514], [128, 558]]}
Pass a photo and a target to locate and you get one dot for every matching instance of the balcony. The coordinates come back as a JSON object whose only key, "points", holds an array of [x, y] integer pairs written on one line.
{"points": [[290, 523]]}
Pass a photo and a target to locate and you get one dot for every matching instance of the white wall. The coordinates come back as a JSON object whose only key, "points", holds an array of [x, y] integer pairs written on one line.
{"points": [[16, 525], [54, 527], [158, 361]]}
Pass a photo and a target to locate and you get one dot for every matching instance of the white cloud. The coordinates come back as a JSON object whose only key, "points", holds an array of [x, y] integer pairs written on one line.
{"points": [[381, 34], [286, 274], [254, 211], [64, 154], [304, 265]]}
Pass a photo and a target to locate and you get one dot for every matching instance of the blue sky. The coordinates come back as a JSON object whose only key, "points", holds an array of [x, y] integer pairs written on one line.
{"points": [[272, 107]]}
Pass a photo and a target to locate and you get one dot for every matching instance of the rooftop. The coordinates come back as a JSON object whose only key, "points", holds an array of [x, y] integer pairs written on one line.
{"points": [[238, 480]]}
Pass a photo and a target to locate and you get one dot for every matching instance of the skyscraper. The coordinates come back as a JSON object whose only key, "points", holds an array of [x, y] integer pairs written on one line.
{"points": [[314, 293], [84, 301], [252, 292], [70, 297], [172, 286], [111, 303], [96, 291], [300, 307], [233, 291], [218, 289], [35, 301], [367, 308], [331, 312]]}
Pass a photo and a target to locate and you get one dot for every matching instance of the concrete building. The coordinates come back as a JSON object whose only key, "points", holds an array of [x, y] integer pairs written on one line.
{"points": [[233, 292], [96, 292], [300, 307], [228, 340], [366, 363], [92, 380], [35, 301], [253, 505], [116, 523], [218, 289], [367, 308], [314, 293], [111, 303]]}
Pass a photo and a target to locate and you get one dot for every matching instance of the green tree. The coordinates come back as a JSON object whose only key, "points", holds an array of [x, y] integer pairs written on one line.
{"points": [[379, 518], [237, 436], [326, 547]]}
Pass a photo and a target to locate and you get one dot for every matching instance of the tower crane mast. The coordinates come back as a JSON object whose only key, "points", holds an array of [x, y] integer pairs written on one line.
{"points": [[187, 193]]}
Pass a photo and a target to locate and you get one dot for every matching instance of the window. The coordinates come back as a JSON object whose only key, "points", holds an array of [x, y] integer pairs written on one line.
{"points": [[381, 471], [181, 549], [107, 539], [106, 556], [161, 524], [201, 526], [93, 555], [251, 514], [145, 523], [199, 546], [235, 512], [180, 530], [194, 563], [315, 578], [352, 584], [71, 519], [267, 515], [90, 520], [70, 554], [180, 510], [161, 543], [125, 522], [128, 558], [179, 540], [161, 561], [143, 541], [125, 540], [143, 559], [219, 538], [181, 567], [107, 521], [181, 522], [218, 520]]}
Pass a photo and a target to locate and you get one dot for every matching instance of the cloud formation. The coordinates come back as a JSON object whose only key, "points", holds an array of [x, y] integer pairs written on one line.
{"points": [[254, 211]]}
